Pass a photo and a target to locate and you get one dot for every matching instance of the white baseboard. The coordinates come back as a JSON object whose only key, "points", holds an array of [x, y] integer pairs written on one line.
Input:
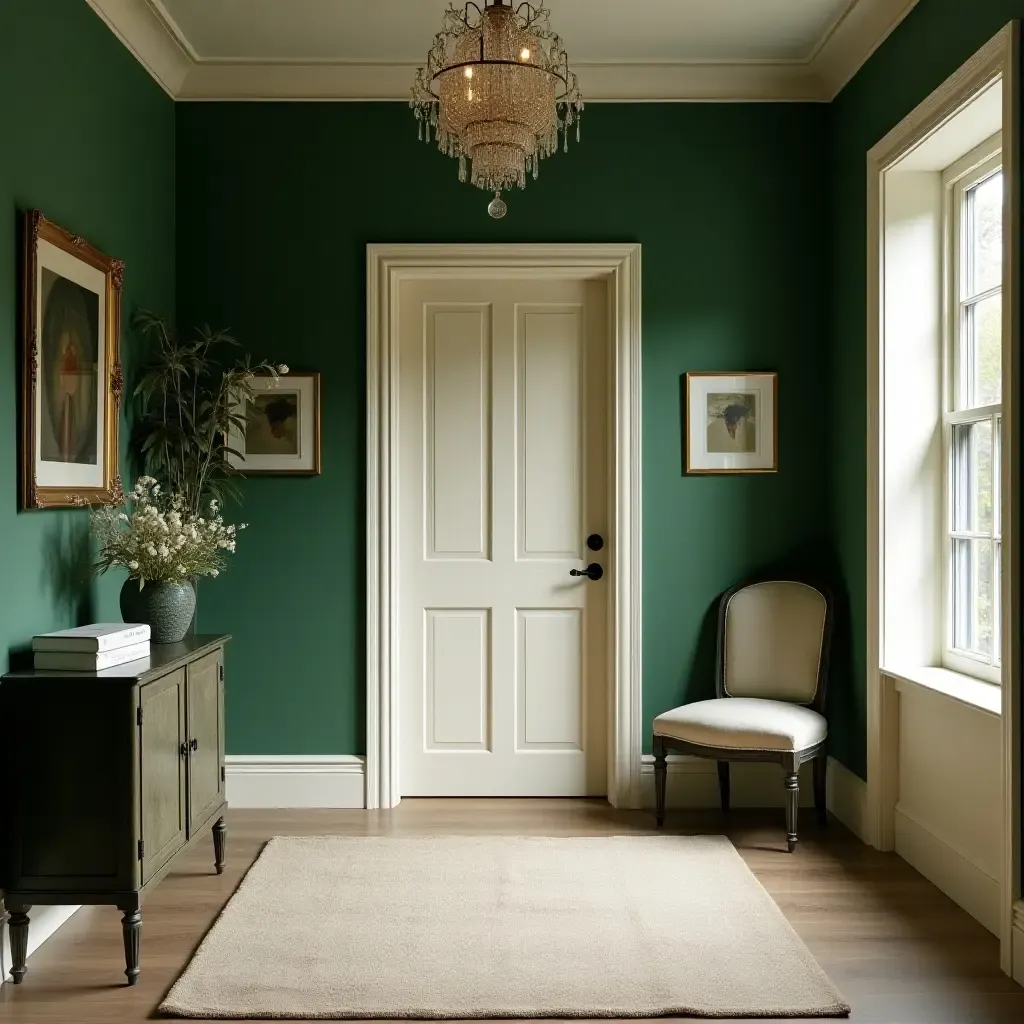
{"points": [[693, 784], [301, 781], [958, 877], [846, 796], [1017, 941], [43, 922]]}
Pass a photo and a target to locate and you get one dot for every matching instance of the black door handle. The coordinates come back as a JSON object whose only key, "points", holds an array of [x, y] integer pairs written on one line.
{"points": [[592, 571]]}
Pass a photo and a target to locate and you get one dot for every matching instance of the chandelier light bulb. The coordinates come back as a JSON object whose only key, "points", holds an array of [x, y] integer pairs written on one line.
{"points": [[523, 101]]}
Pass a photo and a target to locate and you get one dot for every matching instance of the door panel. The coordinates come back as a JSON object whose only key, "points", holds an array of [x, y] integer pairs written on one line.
{"points": [[205, 787], [549, 379], [457, 422], [549, 664], [458, 679], [162, 789], [502, 475]]}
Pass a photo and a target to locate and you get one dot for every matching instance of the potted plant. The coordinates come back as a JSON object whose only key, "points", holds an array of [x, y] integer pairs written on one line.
{"points": [[164, 544], [190, 396]]}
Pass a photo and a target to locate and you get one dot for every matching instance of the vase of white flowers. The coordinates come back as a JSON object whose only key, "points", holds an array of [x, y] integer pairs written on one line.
{"points": [[164, 545]]}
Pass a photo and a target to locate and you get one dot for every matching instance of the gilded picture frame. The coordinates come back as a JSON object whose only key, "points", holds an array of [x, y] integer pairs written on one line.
{"points": [[281, 436], [71, 379], [731, 423]]}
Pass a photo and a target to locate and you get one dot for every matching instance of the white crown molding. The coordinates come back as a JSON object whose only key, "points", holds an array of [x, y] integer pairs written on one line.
{"points": [[854, 38], [151, 42], [146, 28]]}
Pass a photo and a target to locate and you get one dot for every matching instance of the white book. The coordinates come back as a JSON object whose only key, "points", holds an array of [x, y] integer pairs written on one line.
{"points": [[100, 636], [84, 661]]}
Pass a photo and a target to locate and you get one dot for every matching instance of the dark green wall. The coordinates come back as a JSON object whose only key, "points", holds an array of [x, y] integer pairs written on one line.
{"points": [[87, 137], [925, 49], [276, 205]]}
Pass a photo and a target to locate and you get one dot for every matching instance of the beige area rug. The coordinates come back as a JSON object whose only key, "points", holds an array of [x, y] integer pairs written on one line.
{"points": [[462, 927]]}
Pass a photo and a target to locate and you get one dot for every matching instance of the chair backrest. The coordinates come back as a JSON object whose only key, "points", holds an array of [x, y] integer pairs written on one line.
{"points": [[773, 641]]}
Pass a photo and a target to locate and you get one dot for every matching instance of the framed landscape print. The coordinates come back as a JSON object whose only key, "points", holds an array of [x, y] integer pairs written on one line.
{"points": [[70, 370], [731, 423], [282, 427]]}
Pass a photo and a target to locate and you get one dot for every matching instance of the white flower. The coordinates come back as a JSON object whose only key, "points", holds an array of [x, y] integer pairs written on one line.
{"points": [[133, 565], [163, 551], [123, 518], [181, 568], [214, 572], [151, 550], [282, 368]]}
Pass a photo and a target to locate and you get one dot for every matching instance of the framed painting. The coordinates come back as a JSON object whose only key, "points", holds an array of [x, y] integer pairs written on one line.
{"points": [[281, 431], [70, 369], [731, 423]]}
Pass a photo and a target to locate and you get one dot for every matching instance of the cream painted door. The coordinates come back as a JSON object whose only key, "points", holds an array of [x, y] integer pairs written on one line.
{"points": [[503, 409]]}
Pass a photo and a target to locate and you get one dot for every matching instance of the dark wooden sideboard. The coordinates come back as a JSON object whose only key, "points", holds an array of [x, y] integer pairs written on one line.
{"points": [[109, 778]]}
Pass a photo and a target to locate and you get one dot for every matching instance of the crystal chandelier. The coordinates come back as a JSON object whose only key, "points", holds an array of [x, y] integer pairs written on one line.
{"points": [[497, 92]]}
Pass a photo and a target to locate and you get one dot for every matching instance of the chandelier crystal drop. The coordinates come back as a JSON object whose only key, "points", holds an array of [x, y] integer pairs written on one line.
{"points": [[498, 93]]}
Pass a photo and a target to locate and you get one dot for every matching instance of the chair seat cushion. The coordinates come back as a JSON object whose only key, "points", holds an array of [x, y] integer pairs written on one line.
{"points": [[743, 723]]}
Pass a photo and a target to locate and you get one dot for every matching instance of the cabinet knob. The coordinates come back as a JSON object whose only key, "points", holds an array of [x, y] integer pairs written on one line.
{"points": [[183, 750], [194, 745]]}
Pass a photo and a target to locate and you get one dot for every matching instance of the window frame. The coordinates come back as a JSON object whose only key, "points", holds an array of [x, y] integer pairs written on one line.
{"points": [[961, 176]]}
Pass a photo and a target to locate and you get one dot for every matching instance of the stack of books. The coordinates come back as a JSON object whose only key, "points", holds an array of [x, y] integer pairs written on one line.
{"points": [[91, 648]]}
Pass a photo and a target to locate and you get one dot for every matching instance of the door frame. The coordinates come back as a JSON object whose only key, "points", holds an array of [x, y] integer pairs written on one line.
{"points": [[386, 266]]}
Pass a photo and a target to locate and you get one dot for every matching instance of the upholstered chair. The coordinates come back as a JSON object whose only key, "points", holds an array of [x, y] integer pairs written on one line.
{"points": [[773, 648]]}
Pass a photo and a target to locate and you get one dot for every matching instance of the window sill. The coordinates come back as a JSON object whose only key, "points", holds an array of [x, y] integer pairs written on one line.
{"points": [[964, 689]]}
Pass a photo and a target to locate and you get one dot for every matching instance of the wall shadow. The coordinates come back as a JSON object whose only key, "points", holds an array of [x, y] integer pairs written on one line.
{"points": [[68, 568]]}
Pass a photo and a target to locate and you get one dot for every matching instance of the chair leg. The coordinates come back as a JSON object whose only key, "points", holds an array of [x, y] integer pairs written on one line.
{"points": [[660, 779], [724, 789], [820, 770], [792, 784]]}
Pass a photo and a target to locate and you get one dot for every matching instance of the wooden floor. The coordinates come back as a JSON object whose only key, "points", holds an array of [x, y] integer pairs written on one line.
{"points": [[897, 948]]}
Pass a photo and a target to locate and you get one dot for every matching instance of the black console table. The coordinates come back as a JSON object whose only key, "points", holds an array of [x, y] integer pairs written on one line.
{"points": [[109, 779]]}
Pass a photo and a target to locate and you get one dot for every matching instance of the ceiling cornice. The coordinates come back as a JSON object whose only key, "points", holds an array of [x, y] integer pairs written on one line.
{"points": [[145, 27], [146, 35], [854, 38]]}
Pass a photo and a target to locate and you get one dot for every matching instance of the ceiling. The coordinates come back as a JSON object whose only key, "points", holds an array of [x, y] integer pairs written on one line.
{"points": [[622, 49]]}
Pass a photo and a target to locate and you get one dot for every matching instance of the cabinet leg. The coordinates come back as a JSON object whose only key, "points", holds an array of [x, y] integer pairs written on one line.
{"points": [[131, 931], [17, 926], [220, 835]]}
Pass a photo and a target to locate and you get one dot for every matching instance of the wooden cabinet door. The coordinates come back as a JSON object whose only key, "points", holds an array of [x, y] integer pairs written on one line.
{"points": [[206, 736], [162, 771]]}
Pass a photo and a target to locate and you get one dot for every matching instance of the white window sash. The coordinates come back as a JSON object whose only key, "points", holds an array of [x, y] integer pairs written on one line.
{"points": [[958, 180]]}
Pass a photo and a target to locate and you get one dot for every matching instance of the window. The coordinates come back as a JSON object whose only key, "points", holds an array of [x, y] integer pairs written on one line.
{"points": [[973, 411]]}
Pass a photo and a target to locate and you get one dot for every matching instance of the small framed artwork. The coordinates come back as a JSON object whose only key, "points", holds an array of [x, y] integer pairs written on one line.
{"points": [[282, 427], [70, 370], [731, 424]]}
